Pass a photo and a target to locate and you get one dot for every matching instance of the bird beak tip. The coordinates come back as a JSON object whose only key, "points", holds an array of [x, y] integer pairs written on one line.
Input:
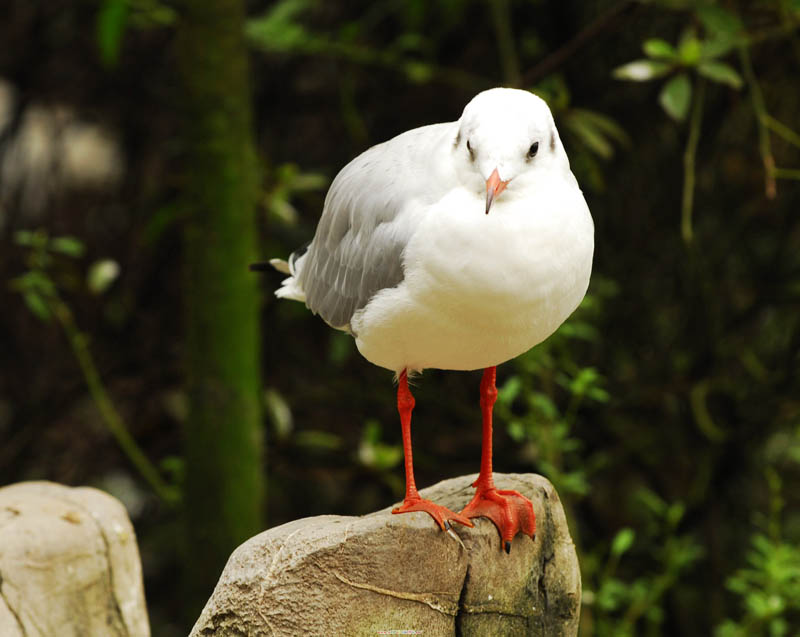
{"points": [[494, 186]]}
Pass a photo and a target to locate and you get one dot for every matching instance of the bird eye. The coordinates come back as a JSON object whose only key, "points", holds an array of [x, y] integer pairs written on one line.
{"points": [[533, 150], [470, 151]]}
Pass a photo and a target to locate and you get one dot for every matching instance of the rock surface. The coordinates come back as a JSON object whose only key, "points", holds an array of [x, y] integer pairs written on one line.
{"points": [[69, 564], [338, 575]]}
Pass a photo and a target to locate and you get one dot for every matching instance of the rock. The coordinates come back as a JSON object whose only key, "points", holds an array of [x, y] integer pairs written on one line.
{"points": [[338, 575], [69, 564]]}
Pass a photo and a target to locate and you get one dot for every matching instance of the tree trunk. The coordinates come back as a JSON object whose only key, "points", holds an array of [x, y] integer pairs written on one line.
{"points": [[223, 437]]}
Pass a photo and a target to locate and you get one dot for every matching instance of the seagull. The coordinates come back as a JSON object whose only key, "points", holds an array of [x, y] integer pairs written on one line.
{"points": [[454, 246]]}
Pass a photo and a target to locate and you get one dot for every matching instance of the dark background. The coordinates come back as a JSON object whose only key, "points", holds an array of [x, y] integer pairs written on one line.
{"points": [[666, 411]]}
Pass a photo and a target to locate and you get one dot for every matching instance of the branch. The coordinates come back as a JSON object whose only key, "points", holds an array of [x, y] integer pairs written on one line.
{"points": [[764, 145], [105, 406], [583, 37], [781, 130], [689, 155], [786, 173], [771, 33]]}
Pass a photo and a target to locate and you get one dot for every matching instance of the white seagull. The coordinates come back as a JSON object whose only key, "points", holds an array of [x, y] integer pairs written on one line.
{"points": [[453, 246]]}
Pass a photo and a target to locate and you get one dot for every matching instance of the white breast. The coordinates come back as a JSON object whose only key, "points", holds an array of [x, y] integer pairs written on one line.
{"points": [[481, 289]]}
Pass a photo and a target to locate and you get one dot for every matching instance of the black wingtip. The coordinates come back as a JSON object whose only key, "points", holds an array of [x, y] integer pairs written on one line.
{"points": [[507, 546], [261, 266], [447, 525]]}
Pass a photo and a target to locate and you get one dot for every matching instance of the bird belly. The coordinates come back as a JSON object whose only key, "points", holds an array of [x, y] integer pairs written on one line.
{"points": [[479, 289]]}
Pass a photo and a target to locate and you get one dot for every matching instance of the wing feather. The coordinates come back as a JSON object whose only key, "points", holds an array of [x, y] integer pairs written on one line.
{"points": [[368, 219]]}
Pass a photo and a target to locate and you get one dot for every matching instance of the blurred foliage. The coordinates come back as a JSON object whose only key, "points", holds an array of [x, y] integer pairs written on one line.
{"points": [[289, 181], [41, 294], [114, 16], [665, 411], [768, 584], [769, 588]]}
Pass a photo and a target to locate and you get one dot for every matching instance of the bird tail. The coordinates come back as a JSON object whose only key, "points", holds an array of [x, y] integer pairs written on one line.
{"points": [[290, 287]]}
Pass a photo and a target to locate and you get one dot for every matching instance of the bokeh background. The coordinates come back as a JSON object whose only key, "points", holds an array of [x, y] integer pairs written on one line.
{"points": [[150, 149]]}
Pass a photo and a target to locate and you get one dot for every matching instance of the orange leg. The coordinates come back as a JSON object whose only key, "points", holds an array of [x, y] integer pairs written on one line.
{"points": [[510, 511], [412, 502]]}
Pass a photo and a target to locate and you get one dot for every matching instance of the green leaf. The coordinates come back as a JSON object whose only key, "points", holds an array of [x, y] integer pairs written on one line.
{"points": [[111, 21], [718, 21], [622, 541], [598, 394], [641, 70], [418, 72], [30, 239], [543, 405], [675, 513], [720, 72], [611, 594], [589, 136], [553, 89], [690, 50], [304, 182], [717, 47], [778, 627], [101, 275], [36, 281], [375, 454], [509, 391], [147, 14], [279, 413], [24, 238], [516, 430], [581, 382], [387, 456], [372, 432], [315, 439], [580, 329], [69, 246], [652, 501], [606, 125], [280, 208], [658, 48], [596, 131], [572, 482], [676, 96], [36, 304], [278, 30], [174, 466]]}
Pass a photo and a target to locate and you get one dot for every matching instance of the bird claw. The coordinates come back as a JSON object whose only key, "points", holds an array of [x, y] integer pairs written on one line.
{"points": [[510, 511], [442, 515]]}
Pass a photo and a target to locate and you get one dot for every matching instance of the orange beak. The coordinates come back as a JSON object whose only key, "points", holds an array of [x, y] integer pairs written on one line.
{"points": [[494, 186]]}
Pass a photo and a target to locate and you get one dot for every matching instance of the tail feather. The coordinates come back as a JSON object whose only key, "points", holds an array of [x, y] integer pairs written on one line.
{"points": [[290, 287], [279, 264]]}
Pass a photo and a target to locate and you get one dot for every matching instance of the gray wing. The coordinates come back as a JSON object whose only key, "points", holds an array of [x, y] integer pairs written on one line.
{"points": [[368, 219]]}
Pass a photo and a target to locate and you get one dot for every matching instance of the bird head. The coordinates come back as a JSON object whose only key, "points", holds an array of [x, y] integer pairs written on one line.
{"points": [[506, 139]]}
